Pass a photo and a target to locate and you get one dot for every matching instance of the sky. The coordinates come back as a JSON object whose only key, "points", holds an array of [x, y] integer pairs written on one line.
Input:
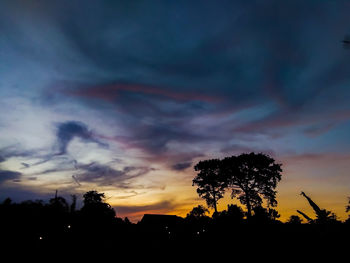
{"points": [[125, 97]]}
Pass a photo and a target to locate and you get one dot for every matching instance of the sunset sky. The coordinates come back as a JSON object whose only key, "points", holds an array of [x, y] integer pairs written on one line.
{"points": [[125, 97]]}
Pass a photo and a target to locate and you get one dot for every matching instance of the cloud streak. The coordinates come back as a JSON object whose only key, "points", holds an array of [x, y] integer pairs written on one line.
{"points": [[104, 175], [181, 166], [6, 175]]}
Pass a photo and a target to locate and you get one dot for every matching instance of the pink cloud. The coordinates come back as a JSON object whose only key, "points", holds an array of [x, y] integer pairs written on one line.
{"points": [[110, 91], [298, 118]]}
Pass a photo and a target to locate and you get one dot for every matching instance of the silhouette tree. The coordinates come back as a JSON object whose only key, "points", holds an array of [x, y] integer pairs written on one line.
{"points": [[95, 207], [7, 202], [233, 215], [273, 214], [235, 211], [73, 204], [264, 215], [295, 220], [211, 185], [59, 204], [93, 197], [197, 212], [252, 177]]}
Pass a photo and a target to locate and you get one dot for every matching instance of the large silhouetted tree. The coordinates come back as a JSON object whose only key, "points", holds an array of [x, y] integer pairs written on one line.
{"points": [[93, 197], [95, 207], [252, 177], [210, 184]]}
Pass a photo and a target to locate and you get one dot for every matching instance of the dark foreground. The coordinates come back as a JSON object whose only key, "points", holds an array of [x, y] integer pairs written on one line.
{"points": [[56, 231], [115, 240]]}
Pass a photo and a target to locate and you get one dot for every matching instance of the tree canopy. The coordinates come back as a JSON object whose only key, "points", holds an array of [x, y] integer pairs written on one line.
{"points": [[197, 212], [252, 177], [94, 206], [210, 185]]}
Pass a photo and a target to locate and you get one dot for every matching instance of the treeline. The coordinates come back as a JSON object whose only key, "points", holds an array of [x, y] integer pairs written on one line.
{"points": [[251, 178], [57, 225]]}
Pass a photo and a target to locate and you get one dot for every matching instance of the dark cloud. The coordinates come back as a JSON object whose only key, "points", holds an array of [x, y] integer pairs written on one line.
{"points": [[55, 170], [259, 53], [153, 116], [181, 166], [16, 151], [67, 131], [32, 178], [316, 130], [25, 165], [6, 175], [101, 174], [154, 138]]}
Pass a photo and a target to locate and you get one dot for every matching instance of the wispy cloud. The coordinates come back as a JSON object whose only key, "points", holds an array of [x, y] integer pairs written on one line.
{"points": [[103, 175], [9, 175], [181, 166]]}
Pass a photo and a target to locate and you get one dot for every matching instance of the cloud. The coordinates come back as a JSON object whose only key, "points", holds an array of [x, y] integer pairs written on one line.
{"points": [[99, 174], [154, 139], [155, 86], [111, 92], [181, 166], [6, 175], [69, 130], [317, 130], [25, 165], [103, 175], [16, 151], [322, 157]]}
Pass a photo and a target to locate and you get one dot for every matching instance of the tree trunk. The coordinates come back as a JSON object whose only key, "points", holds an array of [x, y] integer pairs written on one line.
{"points": [[215, 208], [249, 208]]}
